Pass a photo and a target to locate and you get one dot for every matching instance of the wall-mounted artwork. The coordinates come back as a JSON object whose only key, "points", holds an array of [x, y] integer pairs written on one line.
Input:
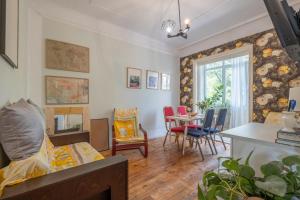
{"points": [[66, 56], [152, 80], [165, 81], [65, 90], [9, 31], [134, 78]]}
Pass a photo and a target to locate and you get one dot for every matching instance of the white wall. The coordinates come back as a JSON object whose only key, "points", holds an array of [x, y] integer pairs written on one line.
{"points": [[108, 61], [13, 81]]}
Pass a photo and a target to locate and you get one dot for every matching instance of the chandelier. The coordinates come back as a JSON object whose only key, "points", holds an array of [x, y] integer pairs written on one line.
{"points": [[169, 26]]}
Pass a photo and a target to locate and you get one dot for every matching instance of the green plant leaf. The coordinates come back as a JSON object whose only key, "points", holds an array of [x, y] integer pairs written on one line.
{"points": [[291, 160], [246, 186], [210, 178], [274, 185], [212, 192], [200, 194], [248, 158], [272, 168], [231, 165], [246, 171]]}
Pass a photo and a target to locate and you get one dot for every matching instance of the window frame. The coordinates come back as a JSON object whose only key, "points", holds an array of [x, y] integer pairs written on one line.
{"points": [[247, 49], [223, 67]]}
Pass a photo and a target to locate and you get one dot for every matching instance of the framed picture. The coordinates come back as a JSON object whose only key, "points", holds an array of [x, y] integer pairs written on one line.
{"points": [[9, 31], [165, 81], [66, 90], [152, 80], [134, 78], [67, 57]]}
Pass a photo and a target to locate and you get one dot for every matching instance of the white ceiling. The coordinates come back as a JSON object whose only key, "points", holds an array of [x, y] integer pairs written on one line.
{"points": [[145, 16]]}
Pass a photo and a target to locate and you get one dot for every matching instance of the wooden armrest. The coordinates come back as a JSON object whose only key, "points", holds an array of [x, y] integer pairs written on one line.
{"points": [[144, 132], [69, 138], [97, 180]]}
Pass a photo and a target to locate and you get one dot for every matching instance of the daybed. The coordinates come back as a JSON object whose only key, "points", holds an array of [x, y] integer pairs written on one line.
{"points": [[105, 179]]}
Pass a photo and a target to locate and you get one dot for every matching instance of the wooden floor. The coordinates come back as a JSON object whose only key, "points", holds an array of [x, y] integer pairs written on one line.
{"points": [[166, 174]]}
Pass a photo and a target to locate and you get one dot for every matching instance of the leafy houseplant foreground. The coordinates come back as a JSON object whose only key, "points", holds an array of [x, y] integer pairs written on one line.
{"points": [[237, 181]]}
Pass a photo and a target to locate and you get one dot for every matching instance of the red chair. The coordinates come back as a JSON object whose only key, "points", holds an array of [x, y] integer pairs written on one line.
{"points": [[177, 130], [181, 110]]}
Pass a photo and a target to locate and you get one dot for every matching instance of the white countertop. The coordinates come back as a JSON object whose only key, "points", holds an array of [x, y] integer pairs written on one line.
{"points": [[254, 131]]}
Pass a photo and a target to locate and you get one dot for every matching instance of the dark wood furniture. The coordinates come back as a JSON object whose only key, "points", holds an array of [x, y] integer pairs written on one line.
{"points": [[69, 138], [116, 146], [101, 180], [100, 134]]}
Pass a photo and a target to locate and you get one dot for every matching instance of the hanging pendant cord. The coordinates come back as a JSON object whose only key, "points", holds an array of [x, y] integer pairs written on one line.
{"points": [[179, 15]]}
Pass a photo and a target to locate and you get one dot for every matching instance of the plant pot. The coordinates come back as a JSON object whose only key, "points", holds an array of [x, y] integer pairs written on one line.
{"points": [[254, 198]]}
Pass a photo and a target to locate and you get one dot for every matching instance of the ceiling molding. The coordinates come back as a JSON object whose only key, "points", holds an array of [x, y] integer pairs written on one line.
{"points": [[51, 11]]}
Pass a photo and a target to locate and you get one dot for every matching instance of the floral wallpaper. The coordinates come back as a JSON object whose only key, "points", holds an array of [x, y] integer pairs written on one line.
{"points": [[273, 73]]}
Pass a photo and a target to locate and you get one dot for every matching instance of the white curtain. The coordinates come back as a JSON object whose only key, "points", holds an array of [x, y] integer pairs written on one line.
{"points": [[240, 91]]}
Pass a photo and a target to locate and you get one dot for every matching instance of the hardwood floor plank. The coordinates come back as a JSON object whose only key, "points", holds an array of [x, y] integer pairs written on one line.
{"points": [[166, 174]]}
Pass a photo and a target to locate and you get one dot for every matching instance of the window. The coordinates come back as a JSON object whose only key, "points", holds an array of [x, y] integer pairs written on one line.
{"points": [[216, 74], [231, 76]]}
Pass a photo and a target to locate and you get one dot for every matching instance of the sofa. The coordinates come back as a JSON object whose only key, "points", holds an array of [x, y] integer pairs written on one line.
{"points": [[35, 166], [105, 179]]}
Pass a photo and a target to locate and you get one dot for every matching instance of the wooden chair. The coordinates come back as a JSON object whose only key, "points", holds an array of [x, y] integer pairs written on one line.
{"points": [[127, 133]]}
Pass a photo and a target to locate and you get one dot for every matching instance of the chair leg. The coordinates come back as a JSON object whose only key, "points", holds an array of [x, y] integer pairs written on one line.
{"points": [[213, 142], [165, 139], [114, 149], [146, 150], [177, 141], [209, 145], [200, 149], [223, 142]]}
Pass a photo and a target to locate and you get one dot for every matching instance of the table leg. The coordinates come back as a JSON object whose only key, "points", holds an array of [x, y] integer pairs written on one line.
{"points": [[184, 137]]}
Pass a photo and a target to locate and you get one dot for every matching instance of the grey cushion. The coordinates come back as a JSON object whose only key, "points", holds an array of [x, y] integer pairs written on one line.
{"points": [[40, 110], [22, 131]]}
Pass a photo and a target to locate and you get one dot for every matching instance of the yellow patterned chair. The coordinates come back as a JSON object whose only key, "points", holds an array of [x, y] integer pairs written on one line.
{"points": [[127, 132]]}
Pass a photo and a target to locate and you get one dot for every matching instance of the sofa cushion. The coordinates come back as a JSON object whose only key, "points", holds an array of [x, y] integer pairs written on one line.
{"points": [[40, 110], [22, 130]]}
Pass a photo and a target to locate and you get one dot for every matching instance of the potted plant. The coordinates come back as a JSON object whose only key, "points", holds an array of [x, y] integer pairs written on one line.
{"points": [[208, 102], [236, 181]]}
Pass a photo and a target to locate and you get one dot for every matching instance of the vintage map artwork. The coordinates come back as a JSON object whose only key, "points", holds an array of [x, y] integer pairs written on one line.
{"points": [[66, 56], [65, 90]]}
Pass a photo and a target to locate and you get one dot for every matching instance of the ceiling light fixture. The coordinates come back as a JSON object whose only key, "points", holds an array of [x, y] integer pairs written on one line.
{"points": [[169, 25]]}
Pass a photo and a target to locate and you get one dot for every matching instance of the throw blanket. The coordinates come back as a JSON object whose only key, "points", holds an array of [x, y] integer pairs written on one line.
{"points": [[48, 160]]}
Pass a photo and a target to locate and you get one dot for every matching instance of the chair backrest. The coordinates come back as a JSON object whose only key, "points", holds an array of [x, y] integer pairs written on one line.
{"points": [[275, 118], [221, 118], [126, 123], [209, 117], [168, 112], [181, 110]]}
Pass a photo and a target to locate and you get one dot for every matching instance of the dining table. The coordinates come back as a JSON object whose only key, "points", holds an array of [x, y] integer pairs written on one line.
{"points": [[186, 119]]}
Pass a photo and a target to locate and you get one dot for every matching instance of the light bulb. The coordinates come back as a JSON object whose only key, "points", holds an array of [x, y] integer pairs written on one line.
{"points": [[187, 21], [168, 29]]}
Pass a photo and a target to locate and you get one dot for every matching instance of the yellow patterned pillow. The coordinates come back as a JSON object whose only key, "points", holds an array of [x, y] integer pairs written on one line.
{"points": [[125, 129]]}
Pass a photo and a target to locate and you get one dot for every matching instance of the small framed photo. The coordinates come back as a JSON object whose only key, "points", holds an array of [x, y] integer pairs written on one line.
{"points": [[134, 78], [165, 81], [152, 80]]}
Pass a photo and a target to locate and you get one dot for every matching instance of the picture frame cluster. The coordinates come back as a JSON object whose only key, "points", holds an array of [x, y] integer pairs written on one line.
{"points": [[154, 80]]}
